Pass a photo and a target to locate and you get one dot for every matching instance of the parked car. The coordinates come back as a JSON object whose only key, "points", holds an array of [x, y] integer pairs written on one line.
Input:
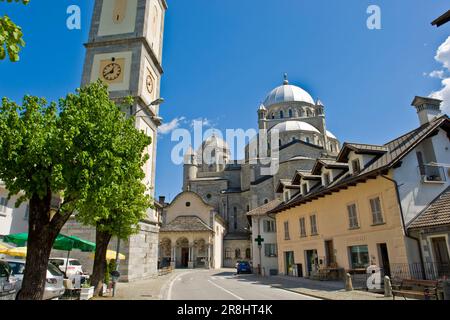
{"points": [[54, 285], [7, 282], [74, 268], [243, 267]]}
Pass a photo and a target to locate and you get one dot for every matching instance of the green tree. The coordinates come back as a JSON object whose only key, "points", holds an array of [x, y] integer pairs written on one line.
{"points": [[117, 208], [72, 155], [11, 36]]}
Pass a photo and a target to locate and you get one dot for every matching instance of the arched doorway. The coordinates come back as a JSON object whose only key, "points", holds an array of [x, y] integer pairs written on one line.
{"points": [[182, 257]]}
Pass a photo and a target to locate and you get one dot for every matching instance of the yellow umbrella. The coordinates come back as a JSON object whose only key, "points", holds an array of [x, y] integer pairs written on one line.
{"points": [[111, 255], [4, 247], [17, 252]]}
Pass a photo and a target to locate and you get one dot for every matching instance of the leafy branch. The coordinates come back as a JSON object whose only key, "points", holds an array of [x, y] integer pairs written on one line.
{"points": [[11, 36]]}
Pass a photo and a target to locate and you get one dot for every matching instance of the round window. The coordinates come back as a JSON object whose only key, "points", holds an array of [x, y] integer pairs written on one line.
{"points": [[209, 196], [188, 204]]}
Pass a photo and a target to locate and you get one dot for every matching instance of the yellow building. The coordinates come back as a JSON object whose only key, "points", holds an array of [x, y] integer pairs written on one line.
{"points": [[352, 211], [341, 230]]}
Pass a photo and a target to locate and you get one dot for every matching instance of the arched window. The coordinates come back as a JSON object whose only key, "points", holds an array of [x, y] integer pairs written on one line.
{"points": [[307, 139], [248, 253], [237, 253], [266, 201], [308, 113], [281, 114], [235, 219], [273, 116], [290, 113], [248, 208]]}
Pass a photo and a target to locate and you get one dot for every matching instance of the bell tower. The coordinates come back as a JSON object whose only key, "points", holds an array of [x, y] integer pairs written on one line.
{"points": [[124, 50]]}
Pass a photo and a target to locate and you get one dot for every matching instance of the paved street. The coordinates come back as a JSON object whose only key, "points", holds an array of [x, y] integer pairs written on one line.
{"points": [[223, 284]]}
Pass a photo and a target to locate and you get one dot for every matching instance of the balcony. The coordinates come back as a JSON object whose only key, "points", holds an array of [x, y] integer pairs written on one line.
{"points": [[432, 173]]}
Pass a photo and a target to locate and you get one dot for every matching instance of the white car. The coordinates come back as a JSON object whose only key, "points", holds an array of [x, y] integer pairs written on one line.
{"points": [[72, 269], [54, 283]]}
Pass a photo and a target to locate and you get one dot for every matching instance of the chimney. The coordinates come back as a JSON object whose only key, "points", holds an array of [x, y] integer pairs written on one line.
{"points": [[162, 200], [427, 108]]}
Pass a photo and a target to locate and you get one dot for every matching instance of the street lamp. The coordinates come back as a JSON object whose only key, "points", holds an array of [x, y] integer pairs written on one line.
{"points": [[156, 102]]}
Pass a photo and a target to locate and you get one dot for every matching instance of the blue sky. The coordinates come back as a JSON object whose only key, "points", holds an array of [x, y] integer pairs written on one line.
{"points": [[221, 58]]}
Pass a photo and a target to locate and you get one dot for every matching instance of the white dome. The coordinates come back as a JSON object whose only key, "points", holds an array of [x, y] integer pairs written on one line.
{"points": [[287, 93], [294, 126], [215, 142], [332, 136]]}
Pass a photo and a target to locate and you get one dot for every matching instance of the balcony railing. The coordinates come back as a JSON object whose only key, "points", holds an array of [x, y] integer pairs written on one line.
{"points": [[432, 173]]}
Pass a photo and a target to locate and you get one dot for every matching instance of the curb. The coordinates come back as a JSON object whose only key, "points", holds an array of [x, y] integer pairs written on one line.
{"points": [[302, 293]]}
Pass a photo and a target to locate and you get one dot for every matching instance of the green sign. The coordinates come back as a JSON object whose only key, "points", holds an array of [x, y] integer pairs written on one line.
{"points": [[259, 240]]}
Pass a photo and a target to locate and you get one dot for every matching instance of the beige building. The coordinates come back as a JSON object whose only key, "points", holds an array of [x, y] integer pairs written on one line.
{"points": [[353, 210], [191, 235]]}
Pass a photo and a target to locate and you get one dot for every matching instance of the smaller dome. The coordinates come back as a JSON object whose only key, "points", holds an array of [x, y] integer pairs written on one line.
{"points": [[215, 142], [262, 108], [294, 126]]}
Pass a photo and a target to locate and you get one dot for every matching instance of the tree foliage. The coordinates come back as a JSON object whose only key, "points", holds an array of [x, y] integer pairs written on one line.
{"points": [[83, 150], [11, 36]]}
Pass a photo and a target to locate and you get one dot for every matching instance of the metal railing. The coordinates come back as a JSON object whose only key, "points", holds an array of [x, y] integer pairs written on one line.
{"points": [[417, 271], [432, 173]]}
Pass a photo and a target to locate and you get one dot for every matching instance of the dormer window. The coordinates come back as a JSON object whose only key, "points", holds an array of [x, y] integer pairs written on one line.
{"points": [[326, 179], [281, 114], [286, 196], [290, 113], [304, 189], [356, 166]]}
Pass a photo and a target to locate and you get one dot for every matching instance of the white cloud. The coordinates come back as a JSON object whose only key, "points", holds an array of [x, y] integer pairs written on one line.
{"points": [[172, 125], [204, 121], [443, 56], [440, 74]]}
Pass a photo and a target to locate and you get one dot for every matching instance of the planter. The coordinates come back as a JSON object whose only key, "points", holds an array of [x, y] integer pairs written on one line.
{"points": [[86, 293]]}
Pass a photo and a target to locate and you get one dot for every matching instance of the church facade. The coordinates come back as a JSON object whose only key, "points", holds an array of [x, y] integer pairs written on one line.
{"points": [[234, 188]]}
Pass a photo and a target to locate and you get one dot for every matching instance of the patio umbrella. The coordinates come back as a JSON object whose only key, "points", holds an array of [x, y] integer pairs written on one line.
{"points": [[4, 247], [19, 239], [111, 255], [17, 252], [62, 242]]}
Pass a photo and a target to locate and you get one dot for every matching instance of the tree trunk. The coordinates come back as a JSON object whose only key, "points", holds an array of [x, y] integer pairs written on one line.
{"points": [[101, 241], [40, 243]]}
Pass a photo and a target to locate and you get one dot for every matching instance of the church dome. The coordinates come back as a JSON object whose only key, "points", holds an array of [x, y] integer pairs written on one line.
{"points": [[292, 125], [287, 93], [214, 142]]}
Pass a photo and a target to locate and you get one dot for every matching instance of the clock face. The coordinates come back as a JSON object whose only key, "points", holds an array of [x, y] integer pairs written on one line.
{"points": [[112, 71], [149, 84]]}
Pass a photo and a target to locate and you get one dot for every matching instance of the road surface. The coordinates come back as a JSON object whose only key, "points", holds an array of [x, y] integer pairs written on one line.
{"points": [[223, 284]]}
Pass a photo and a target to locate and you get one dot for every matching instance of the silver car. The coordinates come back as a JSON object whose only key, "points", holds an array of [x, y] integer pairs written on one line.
{"points": [[54, 283], [7, 283]]}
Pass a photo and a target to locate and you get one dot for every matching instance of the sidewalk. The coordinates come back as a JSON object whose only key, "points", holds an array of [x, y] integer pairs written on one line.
{"points": [[327, 290], [147, 289]]}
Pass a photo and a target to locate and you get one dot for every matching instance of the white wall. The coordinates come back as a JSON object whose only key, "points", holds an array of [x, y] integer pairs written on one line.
{"points": [[267, 263], [14, 220], [219, 231], [416, 195]]}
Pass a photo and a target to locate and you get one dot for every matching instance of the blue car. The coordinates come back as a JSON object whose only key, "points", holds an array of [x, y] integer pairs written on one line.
{"points": [[243, 267]]}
